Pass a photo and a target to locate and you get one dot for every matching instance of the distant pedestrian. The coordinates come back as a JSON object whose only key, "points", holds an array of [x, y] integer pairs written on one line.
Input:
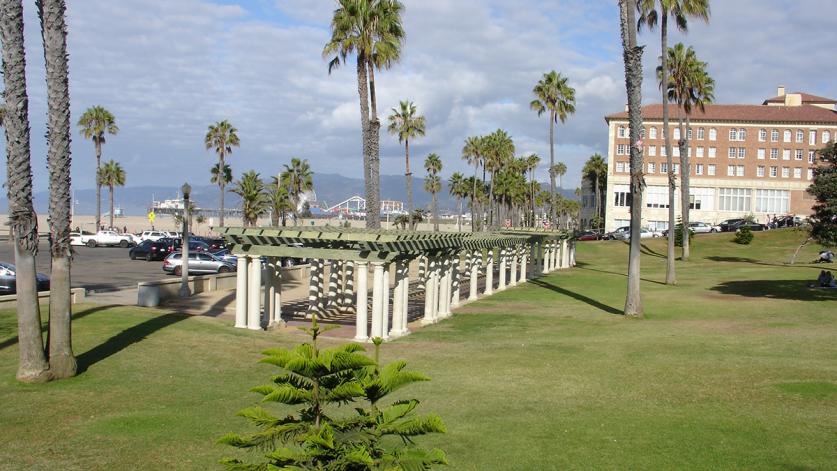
{"points": [[124, 229]]}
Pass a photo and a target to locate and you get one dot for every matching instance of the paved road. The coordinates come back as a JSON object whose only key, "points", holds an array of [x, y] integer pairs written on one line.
{"points": [[98, 269]]}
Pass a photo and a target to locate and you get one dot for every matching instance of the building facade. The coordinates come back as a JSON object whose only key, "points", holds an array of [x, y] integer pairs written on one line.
{"points": [[744, 159]]}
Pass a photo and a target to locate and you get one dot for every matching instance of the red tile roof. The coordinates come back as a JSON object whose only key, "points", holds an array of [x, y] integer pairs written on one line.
{"points": [[806, 98], [739, 113]]}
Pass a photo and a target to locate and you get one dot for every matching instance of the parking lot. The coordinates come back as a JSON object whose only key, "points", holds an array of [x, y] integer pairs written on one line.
{"points": [[97, 269]]}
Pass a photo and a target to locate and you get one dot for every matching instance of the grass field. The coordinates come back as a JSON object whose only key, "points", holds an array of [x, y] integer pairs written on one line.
{"points": [[734, 368]]}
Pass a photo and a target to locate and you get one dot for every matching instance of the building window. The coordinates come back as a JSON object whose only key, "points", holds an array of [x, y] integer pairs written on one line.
{"points": [[733, 135], [621, 131], [620, 167], [774, 154], [652, 150], [663, 168], [675, 151], [656, 197], [812, 137], [742, 134], [762, 135], [734, 199], [811, 156], [694, 203], [701, 133], [785, 172], [663, 150], [810, 173], [774, 135], [797, 172], [739, 170], [710, 169], [676, 134], [798, 155], [760, 171], [732, 152], [689, 133], [742, 152], [621, 149], [826, 137], [785, 154], [713, 134], [786, 136], [774, 172], [675, 168], [699, 169], [689, 151], [623, 198], [772, 201], [800, 136], [761, 154], [652, 133], [699, 152], [712, 152], [652, 168], [731, 170]]}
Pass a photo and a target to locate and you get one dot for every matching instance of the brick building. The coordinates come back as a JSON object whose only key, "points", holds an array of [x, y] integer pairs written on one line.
{"points": [[745, 159]]}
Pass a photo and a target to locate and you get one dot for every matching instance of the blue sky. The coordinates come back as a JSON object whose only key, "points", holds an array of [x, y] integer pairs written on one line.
{"points": [[167, 69]]}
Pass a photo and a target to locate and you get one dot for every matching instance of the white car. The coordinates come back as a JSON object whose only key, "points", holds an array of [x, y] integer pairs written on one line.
{"points": [[624, 233], [153, 235], [76, 238], [703, 228], [107, 238]]}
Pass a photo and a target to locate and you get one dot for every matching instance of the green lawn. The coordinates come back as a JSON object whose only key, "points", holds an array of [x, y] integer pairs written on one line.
{"points": [[735, 368]]}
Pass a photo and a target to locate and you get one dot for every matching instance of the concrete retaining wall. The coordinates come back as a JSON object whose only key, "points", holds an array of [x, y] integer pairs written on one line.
{"points": [[153, 293], [9, 301]]}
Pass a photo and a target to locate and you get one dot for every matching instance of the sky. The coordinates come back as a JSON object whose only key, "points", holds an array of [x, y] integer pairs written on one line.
{"points": [[168, 68]]}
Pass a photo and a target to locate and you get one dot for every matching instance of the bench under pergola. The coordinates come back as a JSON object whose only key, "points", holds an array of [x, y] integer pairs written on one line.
{"points": [[446, 261]]}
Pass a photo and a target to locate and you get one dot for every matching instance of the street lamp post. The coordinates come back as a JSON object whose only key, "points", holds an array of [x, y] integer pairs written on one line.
{"points": [[184, 245]]}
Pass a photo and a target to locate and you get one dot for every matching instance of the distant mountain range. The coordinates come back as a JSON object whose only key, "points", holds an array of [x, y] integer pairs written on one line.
{"points": [[330, 188]]}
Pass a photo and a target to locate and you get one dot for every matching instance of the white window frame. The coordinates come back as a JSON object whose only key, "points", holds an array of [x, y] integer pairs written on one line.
{"points": [[799, 154], [664, 167], [713, 134], [742, 134], [774, 171], [812, 137], [760, 154], [652, 150], [785, 172], [732, 152], [787, 135], [699, 152], [701, 134], [797, 172], [774, 154], [699, 169], [710, 170], [826, 137], [762, 135], [739, 170], [652, 168], [774, 135], [800, 136], [811, 156], [652, 133], [621, 132], [785, 154], [742, 152], [733, 134], [730, 170], [760, 171], [713, 152]]}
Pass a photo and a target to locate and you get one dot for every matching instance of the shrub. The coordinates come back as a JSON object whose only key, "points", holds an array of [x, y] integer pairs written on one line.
{"points": [[678, 235], [744, 235], [318, 381]]}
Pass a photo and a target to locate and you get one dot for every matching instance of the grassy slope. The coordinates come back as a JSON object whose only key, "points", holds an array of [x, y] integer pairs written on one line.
{"points": [[735, 368]]}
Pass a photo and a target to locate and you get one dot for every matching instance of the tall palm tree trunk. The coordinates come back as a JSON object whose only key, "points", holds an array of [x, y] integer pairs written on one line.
{"points": [[534, 209], [684, 185], [372, 214], [32, 366], [671, 277], [491, 205], [474, 209], [62, 362], [435, 212], [409, 181], [598, 203], [459, 217], [551, 163], [110, 202], [98, 186], [373, 198], [632, 57], [221, 185]]}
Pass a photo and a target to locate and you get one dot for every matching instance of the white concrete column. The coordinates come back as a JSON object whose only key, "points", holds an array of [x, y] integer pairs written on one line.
{"points": [[361, 317], [502, 273], [333, 283], [547, 256], [405, 298], [475, 273], [377, 299], [385, 307], [348, 284], [489, 272], [572, 253], [277, 295], [422, 271], [429, 288], [241, 281], [565, 252], [254, 310], [269, 290], [397, 299], [524, 264], [445, 287], [315, 273], [435, 267], [457, 276], [513, 270], [559, 254]]}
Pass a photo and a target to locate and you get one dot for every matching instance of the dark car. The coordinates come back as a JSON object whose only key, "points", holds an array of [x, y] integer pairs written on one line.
{"points": [[195, 245], [589, 235], [754, 226], [731, 225], [215, 244], [8, 280], [152, 249]]}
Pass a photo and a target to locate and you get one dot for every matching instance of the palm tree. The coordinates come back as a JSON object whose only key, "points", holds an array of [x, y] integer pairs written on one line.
{"points": [[553, 94], [280, 202], [407, 125], [433, 184], [217, 175], [95, 123], [594, 171], [111, 175], [498, 151], [32, 364], [372, 30], [632, 58], [62, 361], [531, 164], [221, 137], [456, 187], [651, 12], [559, 170], [297, 178], [689, 85], [473, 152], [254, 201]]}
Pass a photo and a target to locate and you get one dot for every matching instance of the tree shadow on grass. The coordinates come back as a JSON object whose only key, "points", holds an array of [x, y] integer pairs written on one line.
{"points": [[646, 251], [797, 290], [577, 296], [125, 339], [753, 261], [44, 325], [617, 273]]}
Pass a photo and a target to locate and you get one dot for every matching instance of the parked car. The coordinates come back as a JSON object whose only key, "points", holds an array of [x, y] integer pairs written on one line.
{"points": [[215, 243], [730, 225], [77, 238], [153, 235], [8, 280], [754, 226], [225, 254], [786, 221], [589, 235], [621, 233], [151, 250], [198, 263], [107, 239]]}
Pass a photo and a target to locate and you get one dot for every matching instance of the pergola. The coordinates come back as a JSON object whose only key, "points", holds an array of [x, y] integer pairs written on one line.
{"points": [[446, 261]]}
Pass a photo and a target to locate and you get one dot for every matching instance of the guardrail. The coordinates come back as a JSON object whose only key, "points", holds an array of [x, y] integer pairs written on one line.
{"points": [[9, 301]]}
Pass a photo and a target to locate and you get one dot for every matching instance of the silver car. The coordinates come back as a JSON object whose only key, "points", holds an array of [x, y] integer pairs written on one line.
{"points": [[199, 263], [8, 279]]}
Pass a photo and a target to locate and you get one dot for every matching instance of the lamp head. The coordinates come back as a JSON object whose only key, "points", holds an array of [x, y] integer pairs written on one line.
{"points": [[186, 190]]}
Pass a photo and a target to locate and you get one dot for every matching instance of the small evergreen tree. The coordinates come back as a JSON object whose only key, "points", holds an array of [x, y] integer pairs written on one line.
{"points": [[744, 235], [824, 189], [678, 234]]}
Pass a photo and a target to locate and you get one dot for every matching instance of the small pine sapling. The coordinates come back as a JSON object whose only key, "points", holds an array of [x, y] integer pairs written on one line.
{"points": [[744, 235]]}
